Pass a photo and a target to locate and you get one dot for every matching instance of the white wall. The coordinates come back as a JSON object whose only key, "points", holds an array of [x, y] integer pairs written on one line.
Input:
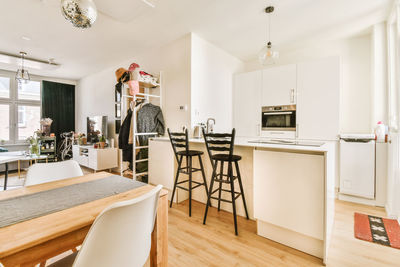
{"points": [[355, 54], [212, 75], [95, 93], [379, 90]]}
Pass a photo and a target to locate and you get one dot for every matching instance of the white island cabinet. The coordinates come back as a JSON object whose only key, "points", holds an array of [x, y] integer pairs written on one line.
{"points": [[289, 198]]}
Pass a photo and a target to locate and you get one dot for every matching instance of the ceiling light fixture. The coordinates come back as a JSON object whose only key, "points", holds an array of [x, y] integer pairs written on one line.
{"points": [[267, 55], [81, 13], [22, 74]]}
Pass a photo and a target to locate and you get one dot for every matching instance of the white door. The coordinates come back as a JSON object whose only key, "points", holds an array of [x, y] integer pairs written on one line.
{"points": [[247, 103], [279, 86], [318, 99]]}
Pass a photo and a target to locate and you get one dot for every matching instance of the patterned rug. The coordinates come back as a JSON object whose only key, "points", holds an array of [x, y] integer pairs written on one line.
{"points": [[376, 229]]}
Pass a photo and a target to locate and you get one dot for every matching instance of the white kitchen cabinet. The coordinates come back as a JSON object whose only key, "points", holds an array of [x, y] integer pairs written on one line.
{"points": [[289, 198], [247, 103], [279, 86], [318, 99]]}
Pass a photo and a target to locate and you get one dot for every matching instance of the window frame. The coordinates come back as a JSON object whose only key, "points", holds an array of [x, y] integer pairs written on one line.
{"points": [[14, 102]]}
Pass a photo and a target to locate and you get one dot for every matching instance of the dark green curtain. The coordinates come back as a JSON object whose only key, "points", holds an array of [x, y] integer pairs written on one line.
{"points": [[58, 103]]}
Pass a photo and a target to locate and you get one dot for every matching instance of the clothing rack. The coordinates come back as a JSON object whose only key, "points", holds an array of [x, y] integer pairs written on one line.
{"points": [[148, 98]]}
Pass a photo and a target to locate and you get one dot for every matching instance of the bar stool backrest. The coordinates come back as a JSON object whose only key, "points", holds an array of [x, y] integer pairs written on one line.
{"points": [[179, 141], [221, 143]]}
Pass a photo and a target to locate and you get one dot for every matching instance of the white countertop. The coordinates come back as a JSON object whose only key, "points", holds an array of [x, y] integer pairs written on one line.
{"points": [[248, 142]]}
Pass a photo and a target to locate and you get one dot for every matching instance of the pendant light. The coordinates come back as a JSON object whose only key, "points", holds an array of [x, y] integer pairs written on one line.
{"points": [[81, 13], [267, 54], [22, 74]]}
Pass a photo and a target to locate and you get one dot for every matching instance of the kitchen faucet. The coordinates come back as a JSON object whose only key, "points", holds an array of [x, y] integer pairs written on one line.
{"points": [[210, 126]]}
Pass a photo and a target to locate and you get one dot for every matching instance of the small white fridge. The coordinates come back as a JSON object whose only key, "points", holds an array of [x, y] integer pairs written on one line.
{"points": [[357, 165]]}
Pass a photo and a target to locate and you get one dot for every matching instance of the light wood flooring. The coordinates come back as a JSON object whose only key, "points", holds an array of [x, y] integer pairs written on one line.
{"points": [[193, 244]]}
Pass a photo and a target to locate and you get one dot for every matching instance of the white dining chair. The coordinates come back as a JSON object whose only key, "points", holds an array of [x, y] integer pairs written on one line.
{"points": [[120, 235], [40, 173]]}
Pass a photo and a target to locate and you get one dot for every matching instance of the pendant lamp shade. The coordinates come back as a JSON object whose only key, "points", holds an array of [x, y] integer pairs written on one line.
{"points": [[22, 75]]}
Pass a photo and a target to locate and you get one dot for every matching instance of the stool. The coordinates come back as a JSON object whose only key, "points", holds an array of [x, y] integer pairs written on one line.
{"points": [[220, 143], [179, 141]]}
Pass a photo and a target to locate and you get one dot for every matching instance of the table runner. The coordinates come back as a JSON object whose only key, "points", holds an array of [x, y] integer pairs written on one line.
{"points": [[26, 207]]}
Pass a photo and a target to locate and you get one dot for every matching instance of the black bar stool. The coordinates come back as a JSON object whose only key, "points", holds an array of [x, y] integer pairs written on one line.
{"points": [[178, 141], [224, 142]]}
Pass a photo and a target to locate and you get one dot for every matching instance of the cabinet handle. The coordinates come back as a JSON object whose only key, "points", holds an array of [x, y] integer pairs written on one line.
{"points": [[297, 130], [291, 95]]}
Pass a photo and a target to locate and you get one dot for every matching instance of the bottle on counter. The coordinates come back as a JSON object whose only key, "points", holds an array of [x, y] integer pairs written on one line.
{"points": [[380, 132]]}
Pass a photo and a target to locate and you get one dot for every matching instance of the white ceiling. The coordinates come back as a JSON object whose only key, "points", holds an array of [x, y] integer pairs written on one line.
{"points": [[238, 26]]}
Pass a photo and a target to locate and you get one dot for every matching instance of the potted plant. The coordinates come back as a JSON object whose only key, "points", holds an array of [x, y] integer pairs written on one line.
{"points": [[34, 143], [102, 141]]}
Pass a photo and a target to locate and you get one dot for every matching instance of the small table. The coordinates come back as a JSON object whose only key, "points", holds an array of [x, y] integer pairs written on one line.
{"points": [[5, 159]]}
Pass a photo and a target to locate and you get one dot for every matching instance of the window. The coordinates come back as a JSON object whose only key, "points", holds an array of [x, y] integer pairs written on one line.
{"points": [[19, 109], [4, 122], [4, 87], [29, 91], [28, 121]]}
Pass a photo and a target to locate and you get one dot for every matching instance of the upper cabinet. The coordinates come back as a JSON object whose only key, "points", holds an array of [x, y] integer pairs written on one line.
{"points": [[318, 99], [247, 103], [279, 86]]}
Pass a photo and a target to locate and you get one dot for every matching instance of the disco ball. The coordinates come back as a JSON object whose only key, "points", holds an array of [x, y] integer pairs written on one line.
{"points": [[81, 13]]}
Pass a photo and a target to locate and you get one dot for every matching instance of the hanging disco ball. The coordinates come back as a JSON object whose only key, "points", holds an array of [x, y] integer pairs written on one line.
{"points": [[81, 13]]}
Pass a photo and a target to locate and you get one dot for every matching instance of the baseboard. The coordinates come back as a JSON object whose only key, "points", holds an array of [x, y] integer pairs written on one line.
{"points": [[291, 239], [358, 200]]}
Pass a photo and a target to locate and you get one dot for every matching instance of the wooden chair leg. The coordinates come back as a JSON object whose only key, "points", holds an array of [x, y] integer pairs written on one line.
{"points": [[241, 188], [176, 181], [230, 174]]}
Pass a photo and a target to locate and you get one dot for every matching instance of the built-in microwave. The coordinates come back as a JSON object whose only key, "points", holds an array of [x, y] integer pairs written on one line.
{"points": [[278, 118]]}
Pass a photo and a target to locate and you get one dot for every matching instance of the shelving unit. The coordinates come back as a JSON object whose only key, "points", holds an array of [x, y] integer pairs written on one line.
{"points": [[50, 152], [126, 99]]}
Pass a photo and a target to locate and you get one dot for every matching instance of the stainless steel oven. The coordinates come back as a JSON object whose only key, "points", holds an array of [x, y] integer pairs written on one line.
{"points": [[278, 118]]}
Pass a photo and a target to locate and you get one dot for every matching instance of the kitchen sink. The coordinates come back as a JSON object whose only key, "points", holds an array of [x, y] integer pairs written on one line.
{"points": [[287, 142]]}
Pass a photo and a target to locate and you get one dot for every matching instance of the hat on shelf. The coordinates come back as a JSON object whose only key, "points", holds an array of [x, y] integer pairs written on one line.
{"points": [[133, 66], [119, 73]]}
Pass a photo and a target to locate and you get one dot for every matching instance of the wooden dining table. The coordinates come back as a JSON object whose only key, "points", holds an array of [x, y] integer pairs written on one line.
{"points": [[34, 241]]}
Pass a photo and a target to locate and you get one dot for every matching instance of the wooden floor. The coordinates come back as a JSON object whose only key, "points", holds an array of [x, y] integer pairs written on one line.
{"points": [[215, 244], [193, 244]]}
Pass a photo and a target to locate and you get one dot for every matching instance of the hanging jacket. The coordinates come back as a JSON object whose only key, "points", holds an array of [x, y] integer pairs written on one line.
{"points": [[123, 138], [150, 120]]}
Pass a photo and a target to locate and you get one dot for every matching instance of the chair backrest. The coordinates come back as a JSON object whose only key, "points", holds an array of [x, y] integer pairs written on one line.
{"points": [[48, 172], [179, 140], [121, 234], [219, 143]]}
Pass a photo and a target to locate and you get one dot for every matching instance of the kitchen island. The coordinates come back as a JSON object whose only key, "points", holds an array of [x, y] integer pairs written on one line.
{"points": [[288, 186]]}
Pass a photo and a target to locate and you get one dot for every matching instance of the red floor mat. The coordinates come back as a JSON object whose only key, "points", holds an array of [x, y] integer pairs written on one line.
{"points": [[376, 229]]}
